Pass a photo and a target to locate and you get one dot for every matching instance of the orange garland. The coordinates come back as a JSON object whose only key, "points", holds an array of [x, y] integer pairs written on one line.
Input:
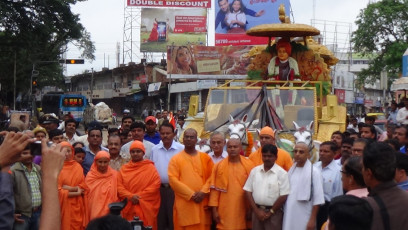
{"points": [[248, 150]]}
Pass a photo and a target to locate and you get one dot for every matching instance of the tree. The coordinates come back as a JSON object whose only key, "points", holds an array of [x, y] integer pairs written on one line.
{"points": [[37, 33], [382, 35]]}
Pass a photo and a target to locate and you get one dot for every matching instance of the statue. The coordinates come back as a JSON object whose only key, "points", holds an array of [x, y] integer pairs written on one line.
{"points": [[283, 67]]}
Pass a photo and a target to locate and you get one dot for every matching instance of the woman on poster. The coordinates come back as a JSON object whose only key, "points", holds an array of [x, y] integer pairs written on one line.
{"points": [[236, 19], [153, 34], [182, 61]]}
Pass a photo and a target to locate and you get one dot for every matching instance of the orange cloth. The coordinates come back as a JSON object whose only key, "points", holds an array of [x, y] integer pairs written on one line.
{"points": [[102, 188], [231, 201], [187, 175], [74, 210], [141, 179], [284, 160]]}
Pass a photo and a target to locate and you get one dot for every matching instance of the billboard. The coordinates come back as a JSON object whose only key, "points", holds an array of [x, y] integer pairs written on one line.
{"points": [[208, 62], [171, 3], [234, 17], [162, 27]]}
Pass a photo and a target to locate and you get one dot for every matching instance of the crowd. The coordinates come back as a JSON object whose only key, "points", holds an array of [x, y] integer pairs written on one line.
{"points": [[360, 181]]}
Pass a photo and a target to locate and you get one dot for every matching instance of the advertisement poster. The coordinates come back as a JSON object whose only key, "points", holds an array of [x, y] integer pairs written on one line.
{"points": [[171, 3], [234, 17], [208, 62], [163, 27]]}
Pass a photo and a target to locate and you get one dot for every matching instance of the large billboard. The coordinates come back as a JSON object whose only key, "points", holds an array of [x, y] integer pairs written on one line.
{"points": [[162, 27], [234, 17], [208, 62], [171, 3]]}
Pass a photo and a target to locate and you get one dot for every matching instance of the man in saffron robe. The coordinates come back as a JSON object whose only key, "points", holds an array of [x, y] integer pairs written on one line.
{"points": [[139, 181], [267, 136], [102, 183], [189, 175], [72, 192], [227, 197]]}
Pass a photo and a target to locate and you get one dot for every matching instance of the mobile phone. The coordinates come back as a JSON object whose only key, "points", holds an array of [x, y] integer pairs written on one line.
{"points": [[35, 147]]}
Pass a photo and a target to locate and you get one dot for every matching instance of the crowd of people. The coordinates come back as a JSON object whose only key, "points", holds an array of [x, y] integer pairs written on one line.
{"points": [[360, 181]]}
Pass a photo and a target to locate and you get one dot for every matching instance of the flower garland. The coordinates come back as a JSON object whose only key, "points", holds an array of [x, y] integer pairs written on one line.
{"points": [[248, 150]]}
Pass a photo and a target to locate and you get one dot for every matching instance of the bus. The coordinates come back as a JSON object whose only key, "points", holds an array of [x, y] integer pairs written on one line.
{"points": [[61, 104]]}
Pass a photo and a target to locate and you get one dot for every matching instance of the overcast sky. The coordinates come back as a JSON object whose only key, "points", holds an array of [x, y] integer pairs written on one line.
{"points": [[104, 19]]}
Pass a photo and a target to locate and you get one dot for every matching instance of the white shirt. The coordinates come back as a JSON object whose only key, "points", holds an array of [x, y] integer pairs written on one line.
{"points": [[73, 139], [216, 159], [161, 158], [267, 187], [401, 116], [332, 185], [125, 150]]}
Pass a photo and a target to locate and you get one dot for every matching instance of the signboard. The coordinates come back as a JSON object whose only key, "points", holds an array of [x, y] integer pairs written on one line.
{"points": [[234, 17], [162, 27], [208, 62], [405, 64], [171, 3]]}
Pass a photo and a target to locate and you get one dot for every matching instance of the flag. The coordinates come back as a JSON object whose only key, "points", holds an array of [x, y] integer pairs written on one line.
{"points": [[172, 121]]}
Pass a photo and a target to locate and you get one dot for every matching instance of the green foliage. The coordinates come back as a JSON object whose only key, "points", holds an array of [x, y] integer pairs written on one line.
{"points": [[255, 75], [382, 30], [36, 33]]}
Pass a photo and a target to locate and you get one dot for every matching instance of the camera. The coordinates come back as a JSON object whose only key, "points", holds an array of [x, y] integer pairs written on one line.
{"points": [[35, 147]]}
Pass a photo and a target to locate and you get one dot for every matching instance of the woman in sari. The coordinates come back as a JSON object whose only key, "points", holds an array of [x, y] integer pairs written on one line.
{"points": [[72, 193]]}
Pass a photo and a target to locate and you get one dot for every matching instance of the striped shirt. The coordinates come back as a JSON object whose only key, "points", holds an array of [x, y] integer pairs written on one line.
{"points": [[34, 182]]}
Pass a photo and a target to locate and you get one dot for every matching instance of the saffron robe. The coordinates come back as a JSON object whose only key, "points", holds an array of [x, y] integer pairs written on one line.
{"points": [[187, 175], [227, 194], [102, 191], [284, 160], [141, 179], [74, 210]]}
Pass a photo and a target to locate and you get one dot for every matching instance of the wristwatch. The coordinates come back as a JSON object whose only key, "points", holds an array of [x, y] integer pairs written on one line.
{"points": [[271, 210]]}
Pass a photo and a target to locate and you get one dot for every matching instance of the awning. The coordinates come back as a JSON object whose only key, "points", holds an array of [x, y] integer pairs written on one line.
{"points": [[400, 84], [162, 71], [154, 89]]}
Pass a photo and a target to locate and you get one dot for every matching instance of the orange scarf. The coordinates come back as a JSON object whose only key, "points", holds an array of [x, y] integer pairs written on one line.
{"points": [[219, 176], [74, 210], [141, 179], [102, 188]]}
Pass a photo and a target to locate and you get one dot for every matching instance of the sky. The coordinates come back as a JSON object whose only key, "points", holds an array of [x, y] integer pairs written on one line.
{"points": [[104, 19]]}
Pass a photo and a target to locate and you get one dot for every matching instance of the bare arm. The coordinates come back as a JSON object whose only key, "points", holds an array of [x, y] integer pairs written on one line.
{"points": [[311, 224], [279, 203], [260, 214], [52, 161]]}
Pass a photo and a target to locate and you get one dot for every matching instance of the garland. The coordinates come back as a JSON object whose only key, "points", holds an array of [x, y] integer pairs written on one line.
{"points": [[248, 150]]}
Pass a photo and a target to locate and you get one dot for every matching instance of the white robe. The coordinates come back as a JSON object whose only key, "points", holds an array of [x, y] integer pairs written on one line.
{"points": [[297, 213]]}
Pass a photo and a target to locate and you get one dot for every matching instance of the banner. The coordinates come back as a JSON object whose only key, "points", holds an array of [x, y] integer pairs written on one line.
{"points": [[208, 62], [162, 27], [171, 3], [234, 17]]}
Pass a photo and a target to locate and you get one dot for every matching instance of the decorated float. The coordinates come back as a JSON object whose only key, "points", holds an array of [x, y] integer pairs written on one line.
{"points": [[288, 88]]}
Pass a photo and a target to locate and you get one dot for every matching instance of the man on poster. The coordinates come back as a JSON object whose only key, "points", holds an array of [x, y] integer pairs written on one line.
{"points": [[225, 9]]}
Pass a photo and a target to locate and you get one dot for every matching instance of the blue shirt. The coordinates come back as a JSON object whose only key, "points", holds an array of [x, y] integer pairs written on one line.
{"points": [[403, 185], [403, 149], [220, 18], [332, 185], [392, 118], [89, 158], [155, 139], [161, 158]]}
